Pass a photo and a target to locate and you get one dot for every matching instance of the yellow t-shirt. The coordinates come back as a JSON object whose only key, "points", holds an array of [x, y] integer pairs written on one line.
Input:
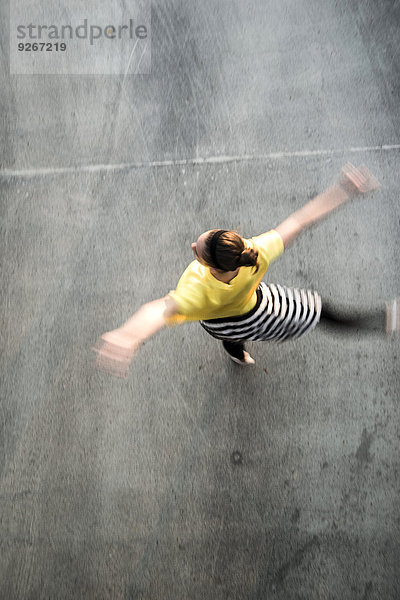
{"points": [[199, 295]]}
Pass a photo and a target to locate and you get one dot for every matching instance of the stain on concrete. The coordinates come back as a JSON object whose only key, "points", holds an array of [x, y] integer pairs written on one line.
{"points": [[295, 516], [367, 591], [236, 458], [363, 453], [295, 560]]}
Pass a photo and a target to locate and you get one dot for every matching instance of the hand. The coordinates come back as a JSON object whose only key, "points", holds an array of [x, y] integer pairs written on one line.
{"points": [[115, 352], [357, 181]]}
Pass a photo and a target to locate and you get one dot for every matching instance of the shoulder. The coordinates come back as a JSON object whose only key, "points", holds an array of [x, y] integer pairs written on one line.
{"points": [[269, 244], [194, 270], [192, 287]]}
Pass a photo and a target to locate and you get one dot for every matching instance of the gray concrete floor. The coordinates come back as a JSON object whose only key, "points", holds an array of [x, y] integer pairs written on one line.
{"points": [[130, 489]]}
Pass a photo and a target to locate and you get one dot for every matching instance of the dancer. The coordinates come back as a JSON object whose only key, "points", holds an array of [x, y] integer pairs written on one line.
{"points": [[222, 289]]}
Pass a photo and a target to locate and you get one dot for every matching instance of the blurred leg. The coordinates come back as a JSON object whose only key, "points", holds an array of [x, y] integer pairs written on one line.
{"points": [[371, 322], [235, 349]]}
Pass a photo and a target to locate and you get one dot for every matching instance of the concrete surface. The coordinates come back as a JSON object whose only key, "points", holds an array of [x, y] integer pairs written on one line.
{"points": [[195, 479]]}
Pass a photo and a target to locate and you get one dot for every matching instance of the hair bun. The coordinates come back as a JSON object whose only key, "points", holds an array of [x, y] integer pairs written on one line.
{"points": [[248, 258]]}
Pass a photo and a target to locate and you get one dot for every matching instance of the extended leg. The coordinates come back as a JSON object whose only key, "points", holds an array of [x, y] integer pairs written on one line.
{"points": [[368, 322]]}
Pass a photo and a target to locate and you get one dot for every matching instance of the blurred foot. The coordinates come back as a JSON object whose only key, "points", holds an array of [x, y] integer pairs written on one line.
{"points": [[247, 359], [237, 353], [393, 315]]}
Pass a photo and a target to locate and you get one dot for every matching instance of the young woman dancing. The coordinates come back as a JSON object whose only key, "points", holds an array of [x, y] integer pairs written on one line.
{"points": [[222, 289]]}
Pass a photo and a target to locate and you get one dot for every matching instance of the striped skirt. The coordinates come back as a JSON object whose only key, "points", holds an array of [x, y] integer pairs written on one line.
{"points": [[280, 314]]}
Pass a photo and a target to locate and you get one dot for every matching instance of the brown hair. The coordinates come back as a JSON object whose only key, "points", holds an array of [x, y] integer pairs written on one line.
{"points": [[230, 252]]}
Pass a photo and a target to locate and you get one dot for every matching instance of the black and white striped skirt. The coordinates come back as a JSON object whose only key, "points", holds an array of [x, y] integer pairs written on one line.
{"points": [[280, 314]]}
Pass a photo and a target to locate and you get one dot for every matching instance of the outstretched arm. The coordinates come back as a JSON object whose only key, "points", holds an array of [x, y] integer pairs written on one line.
{"points": [[117, 348], [351, 183]]}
